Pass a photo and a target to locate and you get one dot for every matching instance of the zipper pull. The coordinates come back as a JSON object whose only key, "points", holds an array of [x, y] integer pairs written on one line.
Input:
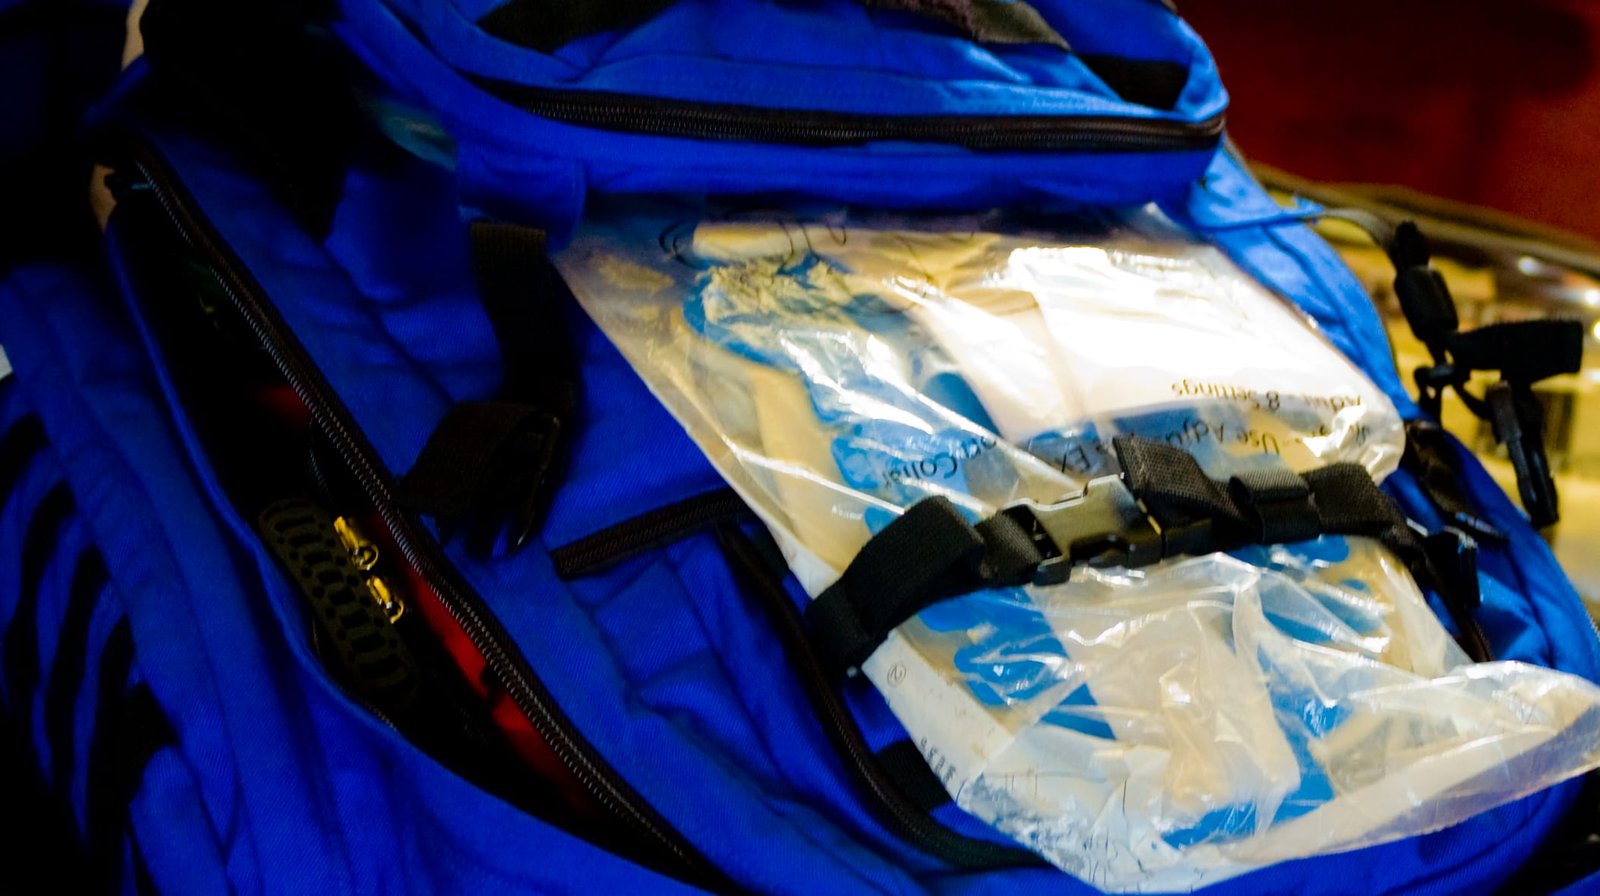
{"points": [[364, 557], [363, 553], [385, 599], [352, 609]]}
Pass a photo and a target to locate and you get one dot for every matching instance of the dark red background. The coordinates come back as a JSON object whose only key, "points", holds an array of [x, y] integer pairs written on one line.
{"points": [[1494, 103]]}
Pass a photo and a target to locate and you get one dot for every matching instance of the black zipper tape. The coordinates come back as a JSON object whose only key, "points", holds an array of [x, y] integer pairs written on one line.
{"points": [[898, 811], [420, 550], [658, 117], [656, 528]]}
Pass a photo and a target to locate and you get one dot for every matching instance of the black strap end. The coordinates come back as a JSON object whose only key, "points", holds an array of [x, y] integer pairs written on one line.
{"points": [[1427, 304], [489, 459]]}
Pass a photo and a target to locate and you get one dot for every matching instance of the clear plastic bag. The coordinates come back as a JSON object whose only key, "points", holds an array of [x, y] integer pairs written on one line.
{"points": [[1147, 730]]}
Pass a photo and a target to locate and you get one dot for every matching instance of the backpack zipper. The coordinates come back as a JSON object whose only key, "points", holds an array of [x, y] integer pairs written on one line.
{"points": [[420, 550], [651, 529], [903, 817], [657, 117], [720, 510]]}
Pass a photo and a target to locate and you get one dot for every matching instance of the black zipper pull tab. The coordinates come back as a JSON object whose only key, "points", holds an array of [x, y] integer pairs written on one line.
{"points": [[1518, 421], [1451, 559]]}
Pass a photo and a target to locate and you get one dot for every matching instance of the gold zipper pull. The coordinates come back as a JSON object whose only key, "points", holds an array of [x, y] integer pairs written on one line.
{"points": [[385, 598], [363, 553]]}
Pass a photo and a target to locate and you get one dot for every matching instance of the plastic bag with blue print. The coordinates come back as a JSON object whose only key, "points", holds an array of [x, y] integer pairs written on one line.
{"points": [[1150, 730]]}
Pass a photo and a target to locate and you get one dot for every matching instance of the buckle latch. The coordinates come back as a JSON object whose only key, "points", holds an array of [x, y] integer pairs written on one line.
{"points": [[1104, 526], [1518, 422], [539, 446]]}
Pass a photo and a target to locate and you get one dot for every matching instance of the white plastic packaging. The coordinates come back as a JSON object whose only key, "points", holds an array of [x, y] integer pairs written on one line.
{"points": [[1149, 730]]}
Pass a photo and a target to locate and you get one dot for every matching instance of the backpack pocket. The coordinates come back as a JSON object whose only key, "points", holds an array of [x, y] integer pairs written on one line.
{"points": [[835, 99], [348, 576]]}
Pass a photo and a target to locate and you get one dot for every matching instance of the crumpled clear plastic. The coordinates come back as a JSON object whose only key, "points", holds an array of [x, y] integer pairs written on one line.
{"points": [[1150, 730]]}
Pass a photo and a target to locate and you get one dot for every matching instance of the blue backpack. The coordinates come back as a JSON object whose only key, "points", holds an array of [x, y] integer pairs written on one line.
{"points": [[340, 552]]}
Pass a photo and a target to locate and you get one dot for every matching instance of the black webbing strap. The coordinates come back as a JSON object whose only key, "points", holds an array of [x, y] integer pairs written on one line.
{"points": [[1275, 506], [927, 555], [490, 458], [1163, 505], [902, 763], [1272, 506], [544, 25], [517, 287], [1524, 353], [504, 457]]}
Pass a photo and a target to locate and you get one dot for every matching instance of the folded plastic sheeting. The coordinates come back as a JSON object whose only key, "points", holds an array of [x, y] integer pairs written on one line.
{"points": [[1157, 729]]}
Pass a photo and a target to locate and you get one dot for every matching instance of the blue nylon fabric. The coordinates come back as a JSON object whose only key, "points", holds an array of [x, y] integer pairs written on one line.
{"points": [[279, 783], [169, 800], [633, 627], [836, 55], [82, 391], [515, 165], [354, 336], [36, 481], [51, 607], [389, 298], [671, 628]]}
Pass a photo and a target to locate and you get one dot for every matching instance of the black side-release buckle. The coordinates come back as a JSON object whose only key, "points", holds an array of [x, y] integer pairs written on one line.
{"points": [[491, 459], [1524, 353], [1104, 526], [1162, 505], [1111, 523]]}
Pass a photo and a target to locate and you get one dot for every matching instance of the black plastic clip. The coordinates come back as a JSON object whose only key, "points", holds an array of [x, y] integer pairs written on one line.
{"points": [[1451, 561], [1432, 381], [1518, 422], [1104, 526], [540, 444], [1426, 302], [488, 460], [1524, 353]]}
